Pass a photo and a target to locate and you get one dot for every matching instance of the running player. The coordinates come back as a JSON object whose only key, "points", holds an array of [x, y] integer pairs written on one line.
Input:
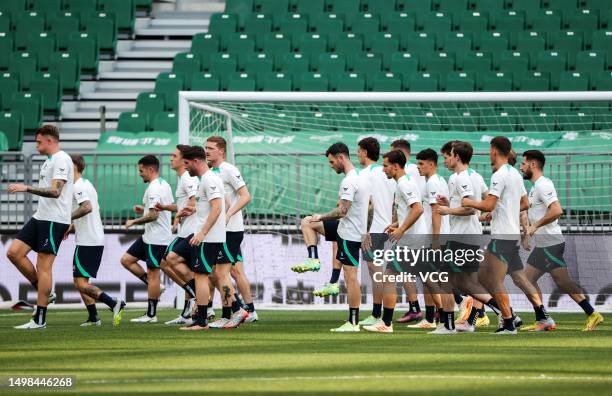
{"points": [[541, 223], [179, 271], [87, 224], [408, 231], [151, 246], [345, 224], [382, 189], [237, 196], [43, 233]]}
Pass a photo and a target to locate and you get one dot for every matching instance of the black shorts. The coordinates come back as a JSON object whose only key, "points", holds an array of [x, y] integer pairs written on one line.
{"points": [[405, 262], [205, 256], [86, 261], [507, 251], [151, 254], [233, 240], [181, 247], [378, 243], [348, 252], [330, 228], [43, 236], [548, 258], [465, 259]]}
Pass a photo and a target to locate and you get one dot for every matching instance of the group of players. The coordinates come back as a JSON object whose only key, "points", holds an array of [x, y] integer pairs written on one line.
{"points": [[400, 204], [203, 256]]}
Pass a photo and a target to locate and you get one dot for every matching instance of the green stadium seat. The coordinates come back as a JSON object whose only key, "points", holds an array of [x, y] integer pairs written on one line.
{"points": [[5, 22], [204, 43], [275, 82], [544, 21], [222, 24], [451, 6], [456, 42], [144, 5], [529, 6], [81, 6], [595, 4], [221, 63], [602, 40], [533, 81], [567, 41], [310, 7], [102, 26], [85, 47], [328, 24], [13, 7], [473, 22], [241, 82], [46, 6], [557, 4], [293, 64], [397, 22], [186, 64], [365, 63], [440, 62], [590, 62], [275, 43], [9, 85], [259, 63], [530, 42], [381, 43], [582, 20], [41, 46], [553, 62], [343, 7], [272, 6], [346, 44], [66, 65], [240, 44], [169, 84], [349, 82], [417, 6], [48, 86], [330, 63], [575, 121], [311, 82], [488, 5], [30, 106], [378, 7], [573, 81], [205, 82], [423, 121], [64, 25], [166, 122], [292, 24], [493, 42], [132, 122], [404, 63], [495, 82], [512, 62], [27, 23], [25, 64], [475, 62], [460, 82], [458, 120], [536, 121], [435, 22], [257, 24], [310, 43], [364, 24], [6, 49], [10, 124], [421, 82], [508, 21], [240, 8], [602, 81], [148, 104], [123, 10], [497, 122], [418, 42]]}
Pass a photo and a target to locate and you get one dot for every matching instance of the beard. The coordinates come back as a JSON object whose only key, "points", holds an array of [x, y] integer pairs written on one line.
{"points": [[527, 175]]}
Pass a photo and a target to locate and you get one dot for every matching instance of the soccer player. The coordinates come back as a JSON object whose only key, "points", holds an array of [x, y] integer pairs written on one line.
{"points": [[345, 224], [382, 190], [237, 196], [178, 270], [87, 225], [507, 197], [541, 223], [407, 231], [151, 246], [43, 233]]}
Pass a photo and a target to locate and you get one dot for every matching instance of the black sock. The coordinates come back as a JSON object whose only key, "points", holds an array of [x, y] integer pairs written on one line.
{"points": [[473, 316], [190, 288], [441, 316], [540, 313], [493, 305], [481, 312], [108, 300], [250, 307], [313, 252], [143, 278], [210, 304], [238, 299], [186, 313], [35, 285], [152, 309], [376, 308], [509, 323], [354, 315], [414, 306], [430, 313], [236, 306], [93, 312], [458, 298], [387, 316], [41, 315], [202, 315], [227, 312], [335, 275], [449, 320], [586, 306]]}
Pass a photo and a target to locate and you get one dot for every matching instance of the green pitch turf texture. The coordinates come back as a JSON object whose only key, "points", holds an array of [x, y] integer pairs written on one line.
{"points": [[293, 352]]}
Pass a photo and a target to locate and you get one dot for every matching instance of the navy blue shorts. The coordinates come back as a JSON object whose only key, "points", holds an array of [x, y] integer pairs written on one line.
{"points": [[205, 256], [548, 258], [43, 236], [348, 252], [151, 254], [330, 227], [86, 261], [180, 246], [233, 240], [506, 251]]}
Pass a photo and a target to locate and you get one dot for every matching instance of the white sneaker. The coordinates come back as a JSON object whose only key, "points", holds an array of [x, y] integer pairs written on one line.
{"points": [[442, 330], [423, 324], [210, 314], [31, 325], [179, 321], [144, 319], [253, 317], [464, 327], [237, 319], [379, 327], [218, 324], [90, 323], [52, 297]]}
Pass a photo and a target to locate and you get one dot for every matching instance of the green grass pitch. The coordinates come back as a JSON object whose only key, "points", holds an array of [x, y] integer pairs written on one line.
{"points": [[293, 352]]}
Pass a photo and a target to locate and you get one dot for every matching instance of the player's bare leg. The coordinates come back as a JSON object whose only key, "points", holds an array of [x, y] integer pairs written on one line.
{"points": [[17, 254]]}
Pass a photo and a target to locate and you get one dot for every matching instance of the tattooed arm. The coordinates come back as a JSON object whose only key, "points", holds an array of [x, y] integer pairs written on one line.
{"points": [[83, 209], [152, 215], [337, 213], [47, 192]]}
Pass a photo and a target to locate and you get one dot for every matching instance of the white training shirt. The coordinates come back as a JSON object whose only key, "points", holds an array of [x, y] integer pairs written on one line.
{"points": [[59, 210], [210, 188], [232, 182], [355, 189], [413, 171], [435, 186], [541, 196], [507, 185], [461, 185], [408, 193], [186, 187], [158, 232], [88, 229], [382, 190]]}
